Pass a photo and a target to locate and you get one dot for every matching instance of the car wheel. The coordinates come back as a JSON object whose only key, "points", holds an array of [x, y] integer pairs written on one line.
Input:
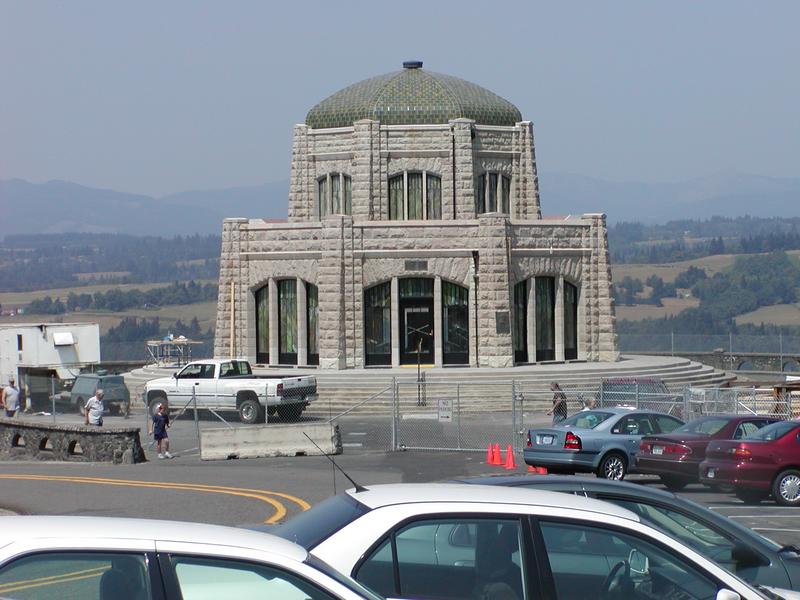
{"points": [[750, 496], [673, 483], [786, 488], [290, 412], [155, 401], [612, 467], [250, 411]]}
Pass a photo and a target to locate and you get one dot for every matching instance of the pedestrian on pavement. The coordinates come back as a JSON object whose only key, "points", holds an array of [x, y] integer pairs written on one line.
{"points": [[158, 429], [559, 408], [94, 409], [9, 397]]}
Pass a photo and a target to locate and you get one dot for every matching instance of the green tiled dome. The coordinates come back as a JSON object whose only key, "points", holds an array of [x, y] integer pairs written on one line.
{"points": [[412, 96]]}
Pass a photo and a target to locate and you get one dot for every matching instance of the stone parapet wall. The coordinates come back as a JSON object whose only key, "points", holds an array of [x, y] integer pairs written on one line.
{"points": [[22, 440]]}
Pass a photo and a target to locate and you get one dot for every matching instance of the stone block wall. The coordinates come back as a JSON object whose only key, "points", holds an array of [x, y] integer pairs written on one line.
{"points": [[22, 440]]}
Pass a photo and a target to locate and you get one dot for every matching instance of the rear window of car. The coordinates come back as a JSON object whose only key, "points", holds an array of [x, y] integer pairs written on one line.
{"points": [[774, 431], [704, 425], [318, 523], [586, 419], [113, 380]]}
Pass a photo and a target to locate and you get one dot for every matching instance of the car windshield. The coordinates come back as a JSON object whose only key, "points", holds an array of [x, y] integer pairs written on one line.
{"points": [[586, 419], [773, 432], [319, 522], [704, 425]]}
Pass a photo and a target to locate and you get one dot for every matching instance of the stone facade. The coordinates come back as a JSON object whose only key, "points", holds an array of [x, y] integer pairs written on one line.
{"points": [[485, 254]]}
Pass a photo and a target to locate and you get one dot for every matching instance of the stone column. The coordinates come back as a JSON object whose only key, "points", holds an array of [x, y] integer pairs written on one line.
{"points": [[301, 193], [559, 317], [274, 322], [464, 178], [395, 319], [366, 169], [231, 270], [438, 358], [531, 320], [525, 174], [302, 323], [331, 289], [494, 296]]}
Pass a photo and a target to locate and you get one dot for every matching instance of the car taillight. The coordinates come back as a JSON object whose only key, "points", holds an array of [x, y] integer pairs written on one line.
{"points": [[740, 452], [572, 441], [279, 390], [677, 449], [644, 447], [530, 443]]}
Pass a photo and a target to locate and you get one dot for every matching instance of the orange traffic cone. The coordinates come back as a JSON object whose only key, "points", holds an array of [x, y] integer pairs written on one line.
{"points": [[510, 462], [489, 455], [532, 469], [496, 460], [542, 470]]}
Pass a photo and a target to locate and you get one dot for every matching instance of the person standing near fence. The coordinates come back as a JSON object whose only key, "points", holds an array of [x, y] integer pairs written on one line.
{"points": [[94, 409], [158, 429], [9, 397], [559, 408]]}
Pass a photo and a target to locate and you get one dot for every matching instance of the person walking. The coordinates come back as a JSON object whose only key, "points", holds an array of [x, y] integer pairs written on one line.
{"points": [[158, 429], [94, 409], [559, 408], [9, 397]]}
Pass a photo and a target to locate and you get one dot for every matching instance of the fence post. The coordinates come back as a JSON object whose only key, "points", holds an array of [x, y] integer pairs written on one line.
{"points": [[458, 414], [53, 395], [637, 394], [672, 342], [514, 414], [395, 412], [780, 349]]}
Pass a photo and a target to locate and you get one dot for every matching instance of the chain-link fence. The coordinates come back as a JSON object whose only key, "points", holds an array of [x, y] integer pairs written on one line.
{"points": [[676, 343]]}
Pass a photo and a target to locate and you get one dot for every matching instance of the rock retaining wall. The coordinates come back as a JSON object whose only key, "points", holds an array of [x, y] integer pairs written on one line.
{"points": [[22, 440]]}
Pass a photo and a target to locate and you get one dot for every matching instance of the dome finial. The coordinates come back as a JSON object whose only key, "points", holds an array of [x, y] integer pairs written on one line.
{"points": [[412, 64]]}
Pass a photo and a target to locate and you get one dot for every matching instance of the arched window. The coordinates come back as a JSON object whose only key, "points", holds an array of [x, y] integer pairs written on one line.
{"points": [[415, 196], [488, 188], [570, 321], [378, 325], [545, 300], [312, 323], [262, 325], [335, 194], [455, 324], [287, 321]]}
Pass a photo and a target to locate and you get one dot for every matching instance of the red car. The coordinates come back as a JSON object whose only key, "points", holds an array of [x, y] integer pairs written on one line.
{"points": [[765, 462], [676, 456]]}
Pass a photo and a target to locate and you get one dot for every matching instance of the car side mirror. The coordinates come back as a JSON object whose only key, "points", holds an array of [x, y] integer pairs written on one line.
{"points": [[638, 563], [745, 557], [726, 594]]}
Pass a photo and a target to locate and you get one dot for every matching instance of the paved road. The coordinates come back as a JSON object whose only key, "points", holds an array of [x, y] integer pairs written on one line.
{"points": [[239, 492]]}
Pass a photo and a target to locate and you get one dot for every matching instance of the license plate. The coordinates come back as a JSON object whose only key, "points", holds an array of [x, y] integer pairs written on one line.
{"points": [[658, 450], [547, 439], [711, 473]]}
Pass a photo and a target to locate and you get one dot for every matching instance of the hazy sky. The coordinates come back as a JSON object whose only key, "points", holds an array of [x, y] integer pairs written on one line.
{"points": [[166, 96]]}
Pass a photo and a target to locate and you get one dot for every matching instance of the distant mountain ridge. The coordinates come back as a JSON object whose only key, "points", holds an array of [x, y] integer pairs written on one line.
{"points": [[63, 207]]}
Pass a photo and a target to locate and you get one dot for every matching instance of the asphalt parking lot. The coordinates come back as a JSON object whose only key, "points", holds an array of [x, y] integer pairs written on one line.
{"points": [[237, 492]]}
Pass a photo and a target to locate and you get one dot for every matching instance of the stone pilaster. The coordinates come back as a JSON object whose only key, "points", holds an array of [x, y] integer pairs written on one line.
{"points": [[496, 347], [526, 178], [336, 291], [301, 192], [231, 270], [601, 317], [365, 175], [464, 178]]}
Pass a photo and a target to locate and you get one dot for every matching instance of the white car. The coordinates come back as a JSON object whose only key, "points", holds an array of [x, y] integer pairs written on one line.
{"points": [[452, 541], [95, 558]]}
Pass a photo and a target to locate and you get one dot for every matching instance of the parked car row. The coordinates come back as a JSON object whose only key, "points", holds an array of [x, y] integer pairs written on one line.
{"points": [[754, 455]]}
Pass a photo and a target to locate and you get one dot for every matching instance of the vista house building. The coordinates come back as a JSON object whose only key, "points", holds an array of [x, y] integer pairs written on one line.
{"points": [[415, 233]]}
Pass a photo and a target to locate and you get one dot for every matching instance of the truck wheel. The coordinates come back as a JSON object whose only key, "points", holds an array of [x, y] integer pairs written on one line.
{"points": [[290, 412], [155, 401], [250, 411]]}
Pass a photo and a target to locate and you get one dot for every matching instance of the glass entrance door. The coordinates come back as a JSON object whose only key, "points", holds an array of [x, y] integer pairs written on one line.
{"points": [[416, 328]]}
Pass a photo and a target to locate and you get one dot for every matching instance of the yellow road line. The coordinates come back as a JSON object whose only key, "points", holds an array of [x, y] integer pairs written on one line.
{"points": [[16, 586], [12, 586], [262, 495]]}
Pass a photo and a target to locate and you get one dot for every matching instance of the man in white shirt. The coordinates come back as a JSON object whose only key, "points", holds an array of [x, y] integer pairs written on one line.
{"points": [[93, 411], [10, 397]]}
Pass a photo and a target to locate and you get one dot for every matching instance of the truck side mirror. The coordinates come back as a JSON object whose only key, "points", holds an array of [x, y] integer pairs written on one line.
{"points": [[175, 374]]}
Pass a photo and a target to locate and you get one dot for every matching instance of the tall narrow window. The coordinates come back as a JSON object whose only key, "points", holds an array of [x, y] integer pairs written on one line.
{"points": [[312, 319], [570, 321], [262, 325], [434, 196], [520, 332], [378, 325], [287, 321], [415, 195], [545, 318], [492, 193], [506, 193], [455, 324], [334, 192], [480, 194]]}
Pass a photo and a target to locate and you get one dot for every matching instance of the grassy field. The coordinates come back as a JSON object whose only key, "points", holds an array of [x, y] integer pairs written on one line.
{"points": [[167, 315], [779, 314], [672, 306], [17, 299]]}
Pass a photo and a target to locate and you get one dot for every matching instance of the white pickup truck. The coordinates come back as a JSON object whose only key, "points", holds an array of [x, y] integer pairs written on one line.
{"points": [[231, 385]]}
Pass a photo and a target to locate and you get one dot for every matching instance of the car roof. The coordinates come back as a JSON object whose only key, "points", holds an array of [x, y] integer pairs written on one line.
{"points": [[590, 483], [619, 410], [410, 493], [29, 528]]}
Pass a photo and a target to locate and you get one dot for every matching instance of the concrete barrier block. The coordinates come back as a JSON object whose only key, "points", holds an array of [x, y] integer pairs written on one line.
{"points": [[259, 441]]}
